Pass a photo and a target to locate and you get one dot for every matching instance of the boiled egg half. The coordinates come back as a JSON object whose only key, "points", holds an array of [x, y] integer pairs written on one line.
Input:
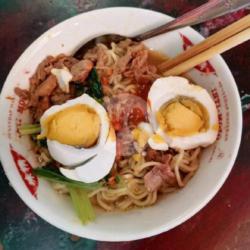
{"points": [[182, 115], [76, 131]]}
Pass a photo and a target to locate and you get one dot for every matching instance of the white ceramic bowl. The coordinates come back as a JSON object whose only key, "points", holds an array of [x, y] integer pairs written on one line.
{"points": [[171, 210]]}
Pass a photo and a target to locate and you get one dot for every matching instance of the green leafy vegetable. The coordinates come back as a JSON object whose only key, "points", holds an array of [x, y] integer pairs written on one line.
{"points": [[106, 178], [82, 204], [117, 179], [95, 87], [79, 89], [113, 181], [42, 143], [30, 129], [53, 175]]}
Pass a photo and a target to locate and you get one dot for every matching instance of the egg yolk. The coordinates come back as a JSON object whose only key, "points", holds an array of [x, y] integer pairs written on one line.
{"points": [[78, 125], [157, 138], [140, 136], [182, 117]]}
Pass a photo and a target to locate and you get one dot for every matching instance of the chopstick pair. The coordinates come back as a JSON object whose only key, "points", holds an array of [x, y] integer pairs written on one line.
{"points": [[218, 43]]}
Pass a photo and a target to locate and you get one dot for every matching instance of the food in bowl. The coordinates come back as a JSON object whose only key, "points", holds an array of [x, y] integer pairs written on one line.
{"points": [[111, 131]]}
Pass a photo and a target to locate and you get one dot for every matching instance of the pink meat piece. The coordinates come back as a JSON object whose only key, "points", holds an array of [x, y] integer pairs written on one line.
{"points": [[158, 175]]}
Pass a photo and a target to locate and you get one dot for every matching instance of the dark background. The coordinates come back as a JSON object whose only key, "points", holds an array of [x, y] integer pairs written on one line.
{"points": [[223, 224]]}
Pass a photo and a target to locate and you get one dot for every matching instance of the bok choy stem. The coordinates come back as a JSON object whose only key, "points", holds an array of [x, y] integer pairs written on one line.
{"points": [[82, 204], [30, 129]]}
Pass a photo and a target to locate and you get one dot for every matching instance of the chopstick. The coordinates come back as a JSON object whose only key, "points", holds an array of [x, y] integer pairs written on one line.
{"points": [[220, 42], [209, 53]]}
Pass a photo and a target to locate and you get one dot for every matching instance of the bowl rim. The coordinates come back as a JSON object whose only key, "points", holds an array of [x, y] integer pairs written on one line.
{"points": [[144, 234]]}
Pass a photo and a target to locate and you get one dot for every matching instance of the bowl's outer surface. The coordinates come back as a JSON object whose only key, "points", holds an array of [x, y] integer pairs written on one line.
{"points": [[173, 209]]}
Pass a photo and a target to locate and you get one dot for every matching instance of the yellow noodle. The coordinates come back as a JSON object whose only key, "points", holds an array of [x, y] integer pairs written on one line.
{"points": [[195, 154], [112, 195], [187, 178], [93, 193], [176, 168], [145, 165], [102, 203], [151, 199], [124, 204], [60, 188]]}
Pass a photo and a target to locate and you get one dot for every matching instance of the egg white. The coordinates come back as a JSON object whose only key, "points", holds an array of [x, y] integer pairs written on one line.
{"points": [[163, 146], [166, 89], [98, 167], [147, 128]]}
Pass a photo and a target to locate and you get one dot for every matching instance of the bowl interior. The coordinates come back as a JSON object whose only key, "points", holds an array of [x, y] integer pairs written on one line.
{"points": [[172, 209]]}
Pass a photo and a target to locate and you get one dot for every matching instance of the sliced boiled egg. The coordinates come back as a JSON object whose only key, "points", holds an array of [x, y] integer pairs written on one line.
{"points": [[146, 127], [63, 77], [76, 131], [157, 142], [144, 134], [183, 115]]}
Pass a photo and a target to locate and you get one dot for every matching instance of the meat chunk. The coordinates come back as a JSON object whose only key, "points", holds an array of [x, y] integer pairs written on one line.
{"points": [[123, 62], [44, 104], [59, 97], [64, 61], [152, 155], [81, 70], [46, 88], [22, 93], [153, 180], [158, 175]]}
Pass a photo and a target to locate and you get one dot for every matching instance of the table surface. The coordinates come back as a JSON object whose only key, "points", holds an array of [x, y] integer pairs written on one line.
{"points": [[223, 224]]}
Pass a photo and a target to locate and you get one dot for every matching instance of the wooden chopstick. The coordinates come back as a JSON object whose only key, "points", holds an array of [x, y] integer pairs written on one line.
{"points": [[209, 53], [211, 41]]}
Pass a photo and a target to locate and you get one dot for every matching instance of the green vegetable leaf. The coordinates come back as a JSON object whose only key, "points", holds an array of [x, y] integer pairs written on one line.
{"points": [[80, 89], [30, 129], [117, 179], [55, 176], [95, 87], [106, 178], [42, 143], [82, 204], [39, 142]]}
